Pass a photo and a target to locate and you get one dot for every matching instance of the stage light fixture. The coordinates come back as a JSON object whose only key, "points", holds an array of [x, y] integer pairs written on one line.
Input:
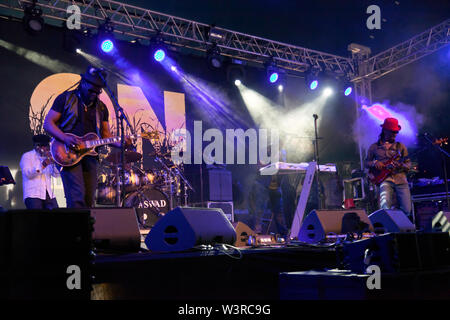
{"points": [[237, 82], [32, 19], [214, 57], [348, 91], [159, 55], [106, 36], [158, 49], [215, 34], [173, 68], [314, 84], [78, 50], [280, 88], [327, 92], [107, 45], [273, 77]]}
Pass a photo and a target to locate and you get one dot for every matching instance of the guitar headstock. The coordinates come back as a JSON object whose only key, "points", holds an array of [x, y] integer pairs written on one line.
{"points": [[441, 141]]}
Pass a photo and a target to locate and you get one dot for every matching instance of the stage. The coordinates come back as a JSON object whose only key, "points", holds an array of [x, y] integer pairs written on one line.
{"points": [[203, 275]]}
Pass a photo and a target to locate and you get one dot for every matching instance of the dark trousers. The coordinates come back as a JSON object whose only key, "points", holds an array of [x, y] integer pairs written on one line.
{"points": [[36, 203], [80, 183], [276, 206]]}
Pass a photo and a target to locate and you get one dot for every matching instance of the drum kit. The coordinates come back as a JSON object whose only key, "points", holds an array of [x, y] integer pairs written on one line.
{"points": [[153, 192]]}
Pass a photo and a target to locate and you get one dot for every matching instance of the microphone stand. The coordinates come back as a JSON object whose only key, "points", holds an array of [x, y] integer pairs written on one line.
{"points": [[316, 156], [444, 156], [120, 117]]}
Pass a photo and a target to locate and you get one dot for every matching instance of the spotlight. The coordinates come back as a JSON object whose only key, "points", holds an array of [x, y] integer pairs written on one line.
{"points": [[106, 36], [312, 78], [159, 55], [237, 82], [273, 77], [107, 45], [314, 84], [280, 88], [173, 68], [327, 92], [78, 50], [214, 57], [32, 19], [348, 91]]}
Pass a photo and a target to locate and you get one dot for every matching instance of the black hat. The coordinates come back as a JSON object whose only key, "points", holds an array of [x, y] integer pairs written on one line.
{"points": [[42, 139], [92, 76]]}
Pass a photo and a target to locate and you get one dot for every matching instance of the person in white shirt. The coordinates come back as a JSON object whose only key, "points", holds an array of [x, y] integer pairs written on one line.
{"points": [[37, 169]]}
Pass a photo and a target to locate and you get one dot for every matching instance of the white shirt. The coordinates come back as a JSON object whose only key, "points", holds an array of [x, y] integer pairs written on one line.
{"points": [[36, 180]]}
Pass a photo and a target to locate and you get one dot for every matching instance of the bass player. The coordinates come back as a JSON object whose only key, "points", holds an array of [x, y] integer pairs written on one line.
{"points": [[389, 159]]}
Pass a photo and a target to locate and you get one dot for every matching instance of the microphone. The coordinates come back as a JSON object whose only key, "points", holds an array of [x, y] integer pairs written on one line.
{"points": [[315, 116]]}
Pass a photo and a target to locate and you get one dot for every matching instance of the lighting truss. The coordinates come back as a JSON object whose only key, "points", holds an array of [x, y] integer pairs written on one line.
{"points": [[135, 22], [409, 51]]}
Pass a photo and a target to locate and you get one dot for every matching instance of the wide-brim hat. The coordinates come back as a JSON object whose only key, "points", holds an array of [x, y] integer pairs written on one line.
{"points": [[92, 75], [391, 124], [41, 139]]}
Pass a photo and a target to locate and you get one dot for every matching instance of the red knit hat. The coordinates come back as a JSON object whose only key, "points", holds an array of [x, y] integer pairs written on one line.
{"points": [[391, 124]]}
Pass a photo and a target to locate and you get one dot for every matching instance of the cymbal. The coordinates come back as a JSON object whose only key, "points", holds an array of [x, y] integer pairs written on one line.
{"points": [[129, 155]]}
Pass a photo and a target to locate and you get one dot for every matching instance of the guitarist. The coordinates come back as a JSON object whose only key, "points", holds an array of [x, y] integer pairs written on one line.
{"points": [[395, 184], [79, 112]]}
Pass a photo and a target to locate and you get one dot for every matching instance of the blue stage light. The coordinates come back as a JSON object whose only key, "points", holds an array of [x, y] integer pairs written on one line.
{"points": [[348, 91], [107, 45], [159, 55], [273, 77], [314, 84]]}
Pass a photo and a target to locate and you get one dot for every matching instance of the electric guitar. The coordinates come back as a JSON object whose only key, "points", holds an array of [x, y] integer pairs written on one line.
{"points": [[378, 176], [391, 165], [66, 156]]}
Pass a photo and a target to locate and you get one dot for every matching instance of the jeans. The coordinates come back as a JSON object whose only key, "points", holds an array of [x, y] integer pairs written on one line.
{"points": [[36, 203], [403, 196], [80, 183]]}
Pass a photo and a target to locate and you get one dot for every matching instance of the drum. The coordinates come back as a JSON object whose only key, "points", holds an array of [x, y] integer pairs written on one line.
{"points": [[106, 195], [151, 204], [132, 180], [149, 178]]}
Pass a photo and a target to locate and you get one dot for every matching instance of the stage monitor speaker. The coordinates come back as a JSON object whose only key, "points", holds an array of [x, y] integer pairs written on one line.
{"points": [[441, 222], [319, 223], [184, 227], [385, 221], [116, 229], [243, 232]]}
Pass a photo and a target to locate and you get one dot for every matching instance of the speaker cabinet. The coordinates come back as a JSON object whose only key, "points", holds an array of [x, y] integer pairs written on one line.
{"points": [[116, 229], [385, 221], [184, 227], [39, 247], [243, 231], [319, 223], [441, 222]]}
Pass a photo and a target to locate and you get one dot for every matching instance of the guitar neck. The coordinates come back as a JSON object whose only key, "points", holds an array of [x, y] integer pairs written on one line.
{"points": [[102, 142]]}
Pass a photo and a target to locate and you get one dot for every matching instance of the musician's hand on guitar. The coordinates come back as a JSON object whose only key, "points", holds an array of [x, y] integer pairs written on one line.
{"points": [[379, 165], [73, 142]]}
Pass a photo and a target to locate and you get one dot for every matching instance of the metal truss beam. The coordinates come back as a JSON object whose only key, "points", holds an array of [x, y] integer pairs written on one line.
{"points": [[135, 22], [406, 52]]}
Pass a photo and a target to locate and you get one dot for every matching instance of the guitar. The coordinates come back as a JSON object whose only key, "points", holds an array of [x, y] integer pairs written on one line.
{"points": [[66, 157], [392, 164], [378, 176]]}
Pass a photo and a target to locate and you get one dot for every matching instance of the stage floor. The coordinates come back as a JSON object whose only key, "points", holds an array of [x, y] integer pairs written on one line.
{"points": [[205, 274]]}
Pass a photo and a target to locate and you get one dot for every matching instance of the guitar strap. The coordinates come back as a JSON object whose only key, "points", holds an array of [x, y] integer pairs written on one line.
{"points": [[97, 118]]}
